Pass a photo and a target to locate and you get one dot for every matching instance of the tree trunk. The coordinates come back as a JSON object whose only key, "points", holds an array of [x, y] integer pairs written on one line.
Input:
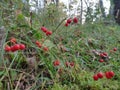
{"points": [[102, 8], [117, 10], [81, 13], [57, 3], [111, 10]]}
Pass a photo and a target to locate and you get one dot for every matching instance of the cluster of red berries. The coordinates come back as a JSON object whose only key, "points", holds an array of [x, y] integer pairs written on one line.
{"points": [[40, 45], [108, 75], [69, 64], [103, 55], [14, 48], [56, 63], [13, 40], [75, 20], [113, 50], [46, 31]]}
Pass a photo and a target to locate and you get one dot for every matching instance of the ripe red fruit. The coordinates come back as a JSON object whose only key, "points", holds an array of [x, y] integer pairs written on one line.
{"points": [[101, 55], [101, 60], [66, 24], [111, 73], [95, 77], [13, 49], [100, 75], [104, 54], [69, 21], [45, 48], [16, 46], [48, 33], [108, 75], [13, 40], [7, 48], [38, 44], [71, 64], [75, 20], [44, 29], [22, 46], [56, 63], [114, 49]]}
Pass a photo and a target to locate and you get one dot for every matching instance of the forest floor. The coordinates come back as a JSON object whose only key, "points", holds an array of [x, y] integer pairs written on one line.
{"points": [[74, 57]]}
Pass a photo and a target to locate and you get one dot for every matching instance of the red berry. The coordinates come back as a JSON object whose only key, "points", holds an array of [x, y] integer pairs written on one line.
{"points": [[75, 20], [22, 46], [69, 21], [95, 77], [38, 44], [111, 73], [107, 75], [100, 75], [48, 33], [114, 49], [44, 29], [16, 47], [7, 48], [101, 55], [66, 24], [105, 54], [101, 60], [13, 40], [45, 48], [12, 49], [56, 63], [71, 64]]}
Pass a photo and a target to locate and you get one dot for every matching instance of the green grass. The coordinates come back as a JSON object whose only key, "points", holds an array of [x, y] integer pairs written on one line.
{"points": [[78, 41]]}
